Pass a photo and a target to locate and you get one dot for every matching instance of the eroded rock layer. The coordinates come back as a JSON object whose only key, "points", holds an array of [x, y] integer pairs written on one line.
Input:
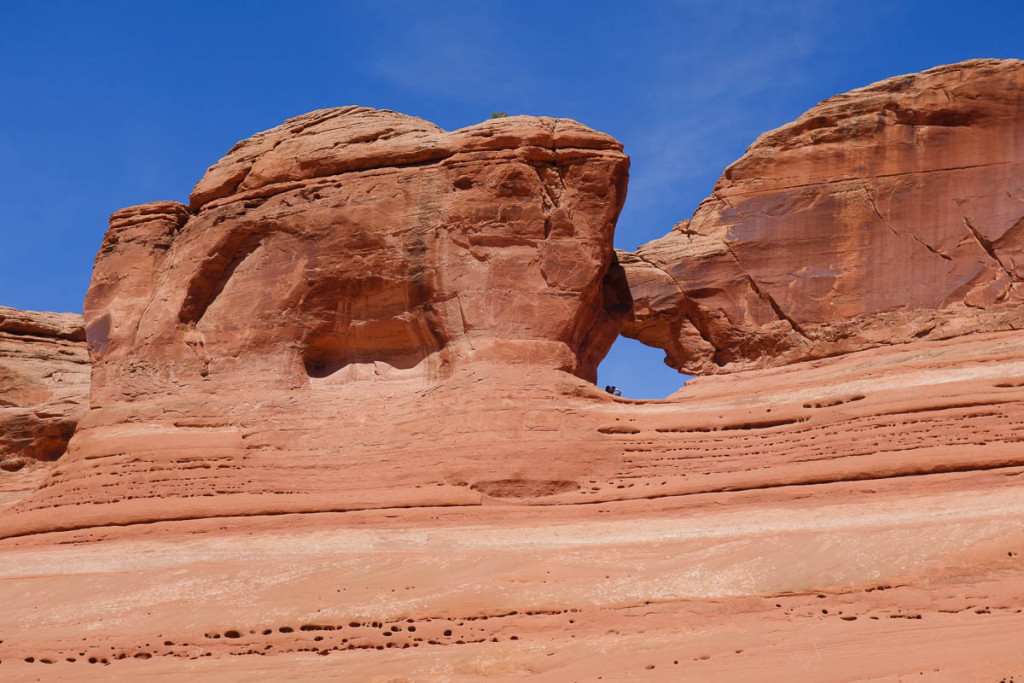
{"points": [[44, 391], [887, 214], [870, 506]]}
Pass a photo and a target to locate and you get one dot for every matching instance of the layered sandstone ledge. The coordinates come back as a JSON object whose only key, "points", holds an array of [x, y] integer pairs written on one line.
{"points": [[44, 392], [869, 505]]}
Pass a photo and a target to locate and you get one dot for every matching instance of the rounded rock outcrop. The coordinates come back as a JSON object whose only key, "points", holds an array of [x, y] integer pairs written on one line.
{"points": [[347, 272]]}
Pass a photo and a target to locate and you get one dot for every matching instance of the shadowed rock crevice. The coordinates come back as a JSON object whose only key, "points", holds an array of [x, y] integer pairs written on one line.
{"points": [[524, 488], [215, 272]]}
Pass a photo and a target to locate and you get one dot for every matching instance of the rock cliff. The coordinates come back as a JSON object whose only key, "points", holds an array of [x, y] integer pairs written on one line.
{"points": [[44, 392], [890, 213], [353, 243]]}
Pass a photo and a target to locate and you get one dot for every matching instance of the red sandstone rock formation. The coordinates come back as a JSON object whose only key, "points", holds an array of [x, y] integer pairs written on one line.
{"points": [[44, 391], [297, 322], [887, 214], [387, 329], [347, 240]]}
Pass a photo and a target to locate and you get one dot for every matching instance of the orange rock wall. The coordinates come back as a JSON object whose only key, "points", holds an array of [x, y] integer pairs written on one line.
{"points": [[886, 214], [300, 317], [44, 392]]}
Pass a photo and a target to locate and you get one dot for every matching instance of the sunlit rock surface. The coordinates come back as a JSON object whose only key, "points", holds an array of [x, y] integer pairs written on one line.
{"points": [[884, 215], [44, 391], [342, 424], [359, 310]]}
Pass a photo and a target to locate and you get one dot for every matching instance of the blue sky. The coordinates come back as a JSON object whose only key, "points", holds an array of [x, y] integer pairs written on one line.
{"points": [[110, 104]]}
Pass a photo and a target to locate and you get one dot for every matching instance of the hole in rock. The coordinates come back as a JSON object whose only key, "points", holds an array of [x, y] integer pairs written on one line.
{"points": [[638, 371], [524, 488], [323, 361]]}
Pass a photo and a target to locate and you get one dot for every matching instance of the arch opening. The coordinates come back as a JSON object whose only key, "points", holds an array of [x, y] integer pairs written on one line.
{"points": [[639, 371]]}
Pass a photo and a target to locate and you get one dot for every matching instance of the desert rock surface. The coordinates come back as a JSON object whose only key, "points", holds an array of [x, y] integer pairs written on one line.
{"points": [[887, 214], [343, 286], [343, 422], [44, 392]]}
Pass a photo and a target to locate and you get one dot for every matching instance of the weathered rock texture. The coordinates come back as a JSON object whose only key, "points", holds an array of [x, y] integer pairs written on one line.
{"points": [[44, 391], [341, 408], [352, 243], [890, 213], [328, 277], [870, 506]]}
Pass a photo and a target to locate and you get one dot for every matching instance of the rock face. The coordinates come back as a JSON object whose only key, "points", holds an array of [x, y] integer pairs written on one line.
{"points": [[353, 243], [327, 278], [347, 240], [44, 391], [887, 214], [341, 406]]}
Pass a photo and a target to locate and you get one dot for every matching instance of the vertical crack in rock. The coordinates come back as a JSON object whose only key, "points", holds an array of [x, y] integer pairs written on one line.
{"points": [[988, 247], [765, 296], [874, 208], [770, 300]]}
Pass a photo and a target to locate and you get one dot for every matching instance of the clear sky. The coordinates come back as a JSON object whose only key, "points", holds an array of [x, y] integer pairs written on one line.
{"points": [[109, 104]]}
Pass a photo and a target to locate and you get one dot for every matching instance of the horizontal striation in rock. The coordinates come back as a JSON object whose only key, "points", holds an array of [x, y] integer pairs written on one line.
{"points": [[870, 504], [44, 392]]}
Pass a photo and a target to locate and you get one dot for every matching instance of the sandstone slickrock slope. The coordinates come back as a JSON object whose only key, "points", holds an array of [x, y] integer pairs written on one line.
{"points": [[44, 391], [343, 421], [870, 506], [887, 214]]}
